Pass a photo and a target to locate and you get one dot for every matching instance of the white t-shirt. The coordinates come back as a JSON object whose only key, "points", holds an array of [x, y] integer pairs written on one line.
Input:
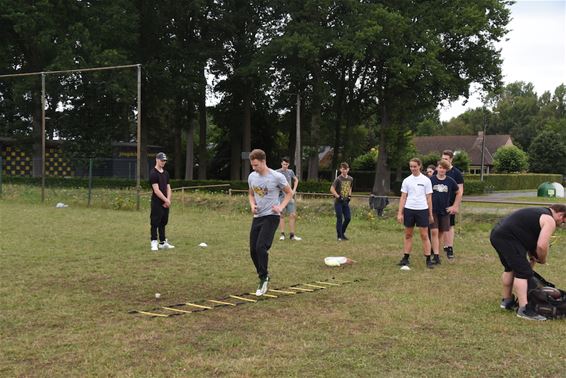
{"points": [[416, 187]]}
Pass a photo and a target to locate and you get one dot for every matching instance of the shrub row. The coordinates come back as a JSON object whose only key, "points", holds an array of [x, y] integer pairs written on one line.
{"points": [[515, 181], [363, 182]]}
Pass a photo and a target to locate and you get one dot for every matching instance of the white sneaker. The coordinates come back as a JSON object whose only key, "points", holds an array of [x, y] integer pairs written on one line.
{"points": [[296, 238], [166, 245], [262, 288], [154, 245], [282, 237]]}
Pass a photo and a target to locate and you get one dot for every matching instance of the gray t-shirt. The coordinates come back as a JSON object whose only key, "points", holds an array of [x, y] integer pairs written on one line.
{"points": [[289, 175], [266, 190]]}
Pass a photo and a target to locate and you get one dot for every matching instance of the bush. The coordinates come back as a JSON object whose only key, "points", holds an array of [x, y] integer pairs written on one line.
{"points": [[365, 162], [509, 159], [513, 181]]}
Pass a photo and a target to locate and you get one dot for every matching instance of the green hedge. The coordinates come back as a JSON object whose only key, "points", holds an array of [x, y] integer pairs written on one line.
{"points": [[515, 181], [363, 182]]}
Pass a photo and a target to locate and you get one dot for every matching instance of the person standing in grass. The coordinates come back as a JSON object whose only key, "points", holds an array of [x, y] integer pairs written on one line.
{"points": [[291, 208], [443, 188], [265, 185], [455, 201], [526, 232], [415, 208], [160, 203], [341, 189]]}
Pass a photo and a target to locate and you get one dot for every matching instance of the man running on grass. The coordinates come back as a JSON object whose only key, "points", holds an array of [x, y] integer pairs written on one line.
{"points": [[265, 184]]}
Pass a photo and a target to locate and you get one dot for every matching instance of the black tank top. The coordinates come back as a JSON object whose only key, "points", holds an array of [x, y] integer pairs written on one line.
{"points": [[524, 225]]}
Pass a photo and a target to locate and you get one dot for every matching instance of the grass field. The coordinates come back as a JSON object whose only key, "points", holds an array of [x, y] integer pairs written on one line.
{"points": [[69, 277]]}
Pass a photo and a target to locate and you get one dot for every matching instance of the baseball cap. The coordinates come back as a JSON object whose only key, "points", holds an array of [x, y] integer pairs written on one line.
{"points": [[161, 156]]}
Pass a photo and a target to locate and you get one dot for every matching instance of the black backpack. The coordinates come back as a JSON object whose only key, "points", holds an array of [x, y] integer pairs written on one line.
{"points": [[545, 298]]}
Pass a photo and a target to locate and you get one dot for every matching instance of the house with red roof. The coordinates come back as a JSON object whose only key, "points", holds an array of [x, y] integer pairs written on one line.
{"points": [[471, 144]]}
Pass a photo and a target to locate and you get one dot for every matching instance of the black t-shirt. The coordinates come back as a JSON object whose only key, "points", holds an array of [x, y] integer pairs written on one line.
{"points": [[442, 193], [458, 177], [523, 225], [160, 178]]}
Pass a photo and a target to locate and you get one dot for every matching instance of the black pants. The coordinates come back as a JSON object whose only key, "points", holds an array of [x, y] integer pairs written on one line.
{"points": [[343, 217], [261, 237], [158, 219]]}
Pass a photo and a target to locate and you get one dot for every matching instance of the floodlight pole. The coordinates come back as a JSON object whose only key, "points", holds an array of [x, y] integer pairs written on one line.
{"points": [[138, 165], [42, 137]]}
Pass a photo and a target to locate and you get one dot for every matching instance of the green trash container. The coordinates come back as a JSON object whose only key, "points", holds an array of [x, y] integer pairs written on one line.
{"points": [[546, 189]]}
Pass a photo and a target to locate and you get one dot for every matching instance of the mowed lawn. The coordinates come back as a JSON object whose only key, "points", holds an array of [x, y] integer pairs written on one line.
{"points": [[69, 277]]}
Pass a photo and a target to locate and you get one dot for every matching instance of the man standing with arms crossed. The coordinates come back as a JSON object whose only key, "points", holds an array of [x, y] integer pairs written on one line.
{"points": [[291, 208], [265, 184], [455, 202], [160, 202]]}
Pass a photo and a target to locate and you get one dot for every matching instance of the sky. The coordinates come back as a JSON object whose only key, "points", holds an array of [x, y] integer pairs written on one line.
{"points": [[534, 50]]}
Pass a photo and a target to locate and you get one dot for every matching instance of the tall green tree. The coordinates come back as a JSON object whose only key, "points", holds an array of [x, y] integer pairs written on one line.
{"points": [[547, 153], [427, 52]]}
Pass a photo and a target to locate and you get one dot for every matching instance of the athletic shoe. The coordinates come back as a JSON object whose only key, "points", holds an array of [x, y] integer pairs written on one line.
{"points": [[404, 262], [436, 259], [282, 237], [262, 287], [339, 239], [430, 264], [295, 237], [449, 252], [166, 245], [345, 238], [508, 303], [529, 314], [154, 244]]}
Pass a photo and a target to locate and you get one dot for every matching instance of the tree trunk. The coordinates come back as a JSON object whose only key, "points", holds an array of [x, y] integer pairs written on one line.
{"points": [[190, 156], [381, 183], [236, 144], [247, 127], [235, 155], [178, 151]]}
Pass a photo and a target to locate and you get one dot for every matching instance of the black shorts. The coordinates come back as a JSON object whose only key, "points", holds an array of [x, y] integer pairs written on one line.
{"points": [[415, 217], [512, 254], [442, 222]]}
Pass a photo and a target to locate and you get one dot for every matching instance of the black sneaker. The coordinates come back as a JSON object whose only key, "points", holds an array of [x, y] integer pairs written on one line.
{"points": [[436, 259], [430, 264], [345, 238], [529, 314], [449, 252], [508, 303], [404, 262]]}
